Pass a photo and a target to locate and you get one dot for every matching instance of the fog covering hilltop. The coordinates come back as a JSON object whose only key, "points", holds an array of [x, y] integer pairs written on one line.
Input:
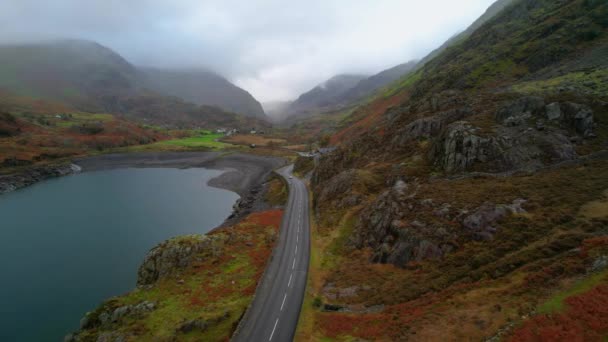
{"points": [[92, 77], [324, 94], [203, 88]]}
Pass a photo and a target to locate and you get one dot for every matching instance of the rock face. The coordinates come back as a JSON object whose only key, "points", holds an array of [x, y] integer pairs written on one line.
{"points": [[387, 226], [462, 147], [529, 105], [172, 255], [528, 136], [428, 127], [202, 324], [393, 239], [580, 117], [567, 115], [26, 178], [480, 223], [334, 190], [107, 317]]}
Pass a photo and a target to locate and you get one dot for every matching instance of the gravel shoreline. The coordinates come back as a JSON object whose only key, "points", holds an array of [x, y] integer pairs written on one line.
{"points": [[243, 171]]}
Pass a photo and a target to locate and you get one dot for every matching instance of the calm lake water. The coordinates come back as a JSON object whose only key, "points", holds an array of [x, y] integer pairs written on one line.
{"points": [[69, 243]]}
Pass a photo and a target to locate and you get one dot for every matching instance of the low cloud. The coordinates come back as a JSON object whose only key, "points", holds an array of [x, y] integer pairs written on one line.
{"points": [[275, 49]]}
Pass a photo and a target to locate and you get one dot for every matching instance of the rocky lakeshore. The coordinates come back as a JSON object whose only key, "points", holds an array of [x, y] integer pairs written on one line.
{"points": [[246, 238], [34, 175], [245, 174]]}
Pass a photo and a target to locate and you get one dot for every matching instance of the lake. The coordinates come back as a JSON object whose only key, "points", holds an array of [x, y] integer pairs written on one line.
{"points": [[68, 243]]}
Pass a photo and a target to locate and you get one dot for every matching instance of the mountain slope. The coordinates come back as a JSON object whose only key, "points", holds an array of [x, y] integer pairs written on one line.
{"points": [[368, 86], [91, 77], [202, 88], [324, 94], [490, 13], [472, 196], [71, 71]]}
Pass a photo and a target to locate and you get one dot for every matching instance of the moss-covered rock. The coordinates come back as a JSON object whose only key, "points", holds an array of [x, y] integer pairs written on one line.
{"points": [[175, 254]]}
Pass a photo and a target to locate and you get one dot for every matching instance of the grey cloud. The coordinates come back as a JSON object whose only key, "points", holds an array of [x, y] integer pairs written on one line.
{"points": [[275, 49]]}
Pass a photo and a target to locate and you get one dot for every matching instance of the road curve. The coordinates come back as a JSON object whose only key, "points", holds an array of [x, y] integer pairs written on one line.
{"points": [[274, 313]]}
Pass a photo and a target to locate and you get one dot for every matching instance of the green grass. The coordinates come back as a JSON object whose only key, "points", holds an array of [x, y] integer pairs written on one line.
{"points": [[595, 83], [196, 143], [335, 249], [556, 303], [404, 82], [202, 141]]}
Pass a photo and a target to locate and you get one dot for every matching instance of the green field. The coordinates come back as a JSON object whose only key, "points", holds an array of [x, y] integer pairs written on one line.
{"points": [[207, 140], [194, 143]]}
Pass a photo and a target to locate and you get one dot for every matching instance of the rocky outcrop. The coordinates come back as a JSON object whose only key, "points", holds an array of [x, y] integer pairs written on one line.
{"points": [[333, 191], [393, 227], [202, 325], [577, 116], [175, 254], [528, 105], [429, 126], [394, 239], [481, 223], [531, 135], [28, 177], [108, 315], [567, 115], [462, 147]]}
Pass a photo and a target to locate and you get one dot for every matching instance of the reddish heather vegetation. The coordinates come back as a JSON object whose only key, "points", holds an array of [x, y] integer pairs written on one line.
{"points": [[585, 319], [215, 288], [33, 131]]}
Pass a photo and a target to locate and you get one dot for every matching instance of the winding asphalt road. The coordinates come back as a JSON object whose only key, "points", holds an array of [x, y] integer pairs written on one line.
{"points": [[274, 313]]}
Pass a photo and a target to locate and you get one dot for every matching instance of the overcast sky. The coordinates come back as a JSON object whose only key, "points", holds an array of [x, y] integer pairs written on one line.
{"points": [[275, 49]]}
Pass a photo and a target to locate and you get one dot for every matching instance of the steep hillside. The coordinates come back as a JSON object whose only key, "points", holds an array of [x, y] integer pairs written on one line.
{"points": [[324, 94], [368, 86], [490, 13], [40, 132], [71, 71], [471, 196], [319, 103], [87, 76], [202, 88], [174, 112]]}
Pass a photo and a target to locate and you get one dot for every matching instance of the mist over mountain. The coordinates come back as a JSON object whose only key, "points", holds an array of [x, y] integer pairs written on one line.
{"points": [[325, 93], [369, 85], [77, 72], [490, 13], [277, 110], [91, 77], [203, 88], [443, 175]]}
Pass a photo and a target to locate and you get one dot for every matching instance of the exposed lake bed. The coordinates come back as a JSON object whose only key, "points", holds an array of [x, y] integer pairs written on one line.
{"points": [[71, 242]]}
